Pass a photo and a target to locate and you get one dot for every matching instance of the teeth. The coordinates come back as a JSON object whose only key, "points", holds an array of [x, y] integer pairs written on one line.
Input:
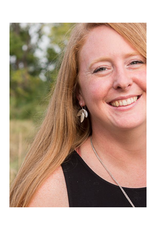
{"points": [[124, 102]]}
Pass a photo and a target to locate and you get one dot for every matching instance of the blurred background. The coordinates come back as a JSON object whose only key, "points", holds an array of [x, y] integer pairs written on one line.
{"points": [[35, 56]]}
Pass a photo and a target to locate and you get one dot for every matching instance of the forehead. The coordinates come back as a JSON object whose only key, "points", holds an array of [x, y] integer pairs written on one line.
{"points": [[103, 40]]}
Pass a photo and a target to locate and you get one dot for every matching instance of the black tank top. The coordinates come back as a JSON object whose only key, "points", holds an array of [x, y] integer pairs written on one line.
{"points": [[86, 189]]}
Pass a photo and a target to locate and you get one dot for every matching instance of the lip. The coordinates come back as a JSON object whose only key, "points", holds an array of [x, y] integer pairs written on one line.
{"points": [[123, 98], [124, 107]]}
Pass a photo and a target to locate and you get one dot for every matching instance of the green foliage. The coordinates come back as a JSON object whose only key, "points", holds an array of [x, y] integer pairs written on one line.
{"points": [[22, 49], [33, 75], [60, 34], [28, 94]]}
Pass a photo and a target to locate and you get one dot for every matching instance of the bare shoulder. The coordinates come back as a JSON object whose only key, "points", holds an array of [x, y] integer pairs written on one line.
{"points": [[52, 193]]}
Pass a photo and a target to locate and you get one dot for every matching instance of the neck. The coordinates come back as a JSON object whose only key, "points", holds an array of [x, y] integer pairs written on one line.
{"points": [[126, 143]]}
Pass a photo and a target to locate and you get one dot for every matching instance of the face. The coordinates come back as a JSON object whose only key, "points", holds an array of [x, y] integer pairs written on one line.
{"points": [[112, 79]]}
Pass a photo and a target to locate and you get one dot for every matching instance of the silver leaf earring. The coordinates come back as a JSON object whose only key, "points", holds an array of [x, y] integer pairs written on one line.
{"points": [[82, 114]]}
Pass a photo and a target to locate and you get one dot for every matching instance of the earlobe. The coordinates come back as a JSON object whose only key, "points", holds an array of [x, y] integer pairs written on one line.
{"points": [[80, 98]]}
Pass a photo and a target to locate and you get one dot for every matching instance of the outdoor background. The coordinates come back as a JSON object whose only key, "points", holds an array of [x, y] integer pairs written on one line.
{"points": [[35, 55]]}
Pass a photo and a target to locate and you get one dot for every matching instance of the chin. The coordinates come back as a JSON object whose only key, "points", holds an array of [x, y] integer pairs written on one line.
{"points": [[130, 125]]}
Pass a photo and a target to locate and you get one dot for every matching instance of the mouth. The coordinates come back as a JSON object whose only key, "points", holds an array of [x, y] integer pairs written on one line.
{"points": [[124, 102]]}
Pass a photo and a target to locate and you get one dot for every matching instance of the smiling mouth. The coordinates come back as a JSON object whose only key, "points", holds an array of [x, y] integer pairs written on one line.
{"points": [[124, 102]]}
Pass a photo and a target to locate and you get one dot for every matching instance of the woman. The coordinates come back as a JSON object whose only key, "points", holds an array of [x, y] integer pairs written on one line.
{"points": [[91, 148]]}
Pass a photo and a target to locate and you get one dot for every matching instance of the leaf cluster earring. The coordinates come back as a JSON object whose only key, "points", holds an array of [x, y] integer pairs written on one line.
{"points": [[82, 114]]}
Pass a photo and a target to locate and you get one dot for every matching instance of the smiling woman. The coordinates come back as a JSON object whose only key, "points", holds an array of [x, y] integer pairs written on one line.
{"points": [[111, 72], [91, 148]]}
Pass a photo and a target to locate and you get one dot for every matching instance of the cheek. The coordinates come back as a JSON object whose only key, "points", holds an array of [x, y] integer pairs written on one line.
{"points": [[140, 80], [95, 90]]}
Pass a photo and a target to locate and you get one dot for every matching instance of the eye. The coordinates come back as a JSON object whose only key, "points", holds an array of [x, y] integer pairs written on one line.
{"points": [[99, 69], [136, 62]]}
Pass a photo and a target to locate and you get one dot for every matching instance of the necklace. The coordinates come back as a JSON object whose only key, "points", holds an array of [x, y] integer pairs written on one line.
{"points": [[125, 194]]}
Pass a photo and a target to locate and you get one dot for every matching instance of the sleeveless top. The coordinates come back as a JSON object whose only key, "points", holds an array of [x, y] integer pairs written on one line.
{"points": [[86, 189]]}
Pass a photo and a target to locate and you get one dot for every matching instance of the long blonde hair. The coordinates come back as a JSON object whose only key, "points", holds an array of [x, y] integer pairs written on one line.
{"points": [[61, 131]]}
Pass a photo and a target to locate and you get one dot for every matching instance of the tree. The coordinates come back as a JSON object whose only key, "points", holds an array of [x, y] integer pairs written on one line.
{"points": [[58, 36], [34, 65]]}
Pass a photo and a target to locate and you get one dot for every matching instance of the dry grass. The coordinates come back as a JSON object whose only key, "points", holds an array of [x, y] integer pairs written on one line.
{"points": [[21, 135]]}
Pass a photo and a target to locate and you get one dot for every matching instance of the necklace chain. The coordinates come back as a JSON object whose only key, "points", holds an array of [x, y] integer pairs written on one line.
{"points": [[125, 194]]}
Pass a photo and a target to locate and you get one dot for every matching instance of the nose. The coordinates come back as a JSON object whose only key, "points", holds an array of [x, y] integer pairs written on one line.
{"points": [[122, 79]]}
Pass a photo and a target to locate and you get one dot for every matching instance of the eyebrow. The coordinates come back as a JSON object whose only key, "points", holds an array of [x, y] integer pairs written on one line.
{"points": [[101, 59], [108, 59], [132, 54]]}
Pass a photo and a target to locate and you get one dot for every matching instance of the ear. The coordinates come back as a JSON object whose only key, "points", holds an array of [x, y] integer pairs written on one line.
{"points": [[80, 98]]}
